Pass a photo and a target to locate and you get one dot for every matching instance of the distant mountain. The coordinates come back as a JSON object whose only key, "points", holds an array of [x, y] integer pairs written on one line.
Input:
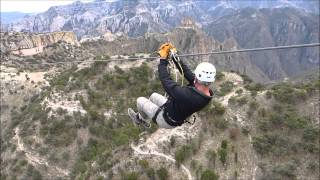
{"points": [[135, 18], [272, 27], [311, 6], [10, 17]]}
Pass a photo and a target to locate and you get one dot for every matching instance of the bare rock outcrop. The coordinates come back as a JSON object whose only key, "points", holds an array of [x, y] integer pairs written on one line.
{"points": [[25, 44]]}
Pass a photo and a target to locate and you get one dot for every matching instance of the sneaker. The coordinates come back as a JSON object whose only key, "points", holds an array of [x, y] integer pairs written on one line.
{"points": [[136, 119]]}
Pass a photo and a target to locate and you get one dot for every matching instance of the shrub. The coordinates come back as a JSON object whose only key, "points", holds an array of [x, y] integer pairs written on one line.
{"points": [[311, 148], [163, 173], [235, 157], [254, 87], [224, 144], [209, 175], [99, 57], [311, 134], [222, 155], [33, 173], [219, 76], [253, 105], [133, 56], [232, 100], [242, 100], [268, 94], [61, 81], [285, 170], [286, 93], [182, 153], [151, 173], [104, 161], [172, 141], [130, 176], [92, 150], [262, 112], [222, 152], [79, 167], [245, 130], [239, 91], [59, 133], [143, 163], [313, 165], [246, 78], [221, 123], [65, 156], [225, 88], [218, 108], [95, 115], [194, 163], [287, 119], [272, 144]]}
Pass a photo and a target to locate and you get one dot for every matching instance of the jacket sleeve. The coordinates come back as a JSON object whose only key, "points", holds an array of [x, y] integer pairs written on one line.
{"points": [[170, 86]]}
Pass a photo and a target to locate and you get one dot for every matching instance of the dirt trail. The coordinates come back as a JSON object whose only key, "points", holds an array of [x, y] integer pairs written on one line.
{"points": [[151, 146], [137, 150], [35, 159], [237, 81], [225, 99]]}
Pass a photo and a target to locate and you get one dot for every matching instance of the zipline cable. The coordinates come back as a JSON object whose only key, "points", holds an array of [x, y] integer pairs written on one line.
{"points": [[253, 49], [193, 54]]}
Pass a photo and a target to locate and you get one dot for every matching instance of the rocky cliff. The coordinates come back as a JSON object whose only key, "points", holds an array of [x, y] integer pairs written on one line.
{"points": [[272, 27], [29, 44]]}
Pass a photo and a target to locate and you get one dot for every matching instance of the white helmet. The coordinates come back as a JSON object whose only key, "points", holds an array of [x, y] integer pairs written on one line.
{"points": [[205, 72]]}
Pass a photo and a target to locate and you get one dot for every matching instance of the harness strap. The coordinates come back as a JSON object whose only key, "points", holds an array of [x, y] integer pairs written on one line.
{"points": [[171, 121], [194, 120], [154, 118]]}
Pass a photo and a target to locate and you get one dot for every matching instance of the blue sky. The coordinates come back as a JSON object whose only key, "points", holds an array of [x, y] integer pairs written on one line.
{"points": [[32, 6]]}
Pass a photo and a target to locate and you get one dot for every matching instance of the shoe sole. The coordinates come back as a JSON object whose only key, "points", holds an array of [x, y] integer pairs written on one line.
{"points": [[135, 121], [132, 115]]}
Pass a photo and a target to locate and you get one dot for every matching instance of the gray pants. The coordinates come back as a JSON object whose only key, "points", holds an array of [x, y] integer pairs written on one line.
{"points": [[148, 107]]}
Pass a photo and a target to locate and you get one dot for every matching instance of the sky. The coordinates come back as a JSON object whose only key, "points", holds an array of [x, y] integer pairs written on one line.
{"points": [[32, 6]]}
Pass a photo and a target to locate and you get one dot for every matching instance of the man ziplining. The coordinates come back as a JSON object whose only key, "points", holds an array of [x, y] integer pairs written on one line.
{"points": [[182, 102]]}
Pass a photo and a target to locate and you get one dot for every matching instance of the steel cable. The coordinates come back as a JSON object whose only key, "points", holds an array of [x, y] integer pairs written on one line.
{"points": [[192, 54]]}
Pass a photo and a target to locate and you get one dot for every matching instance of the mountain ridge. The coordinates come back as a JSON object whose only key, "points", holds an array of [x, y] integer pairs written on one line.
{"points": [[135, 18]]}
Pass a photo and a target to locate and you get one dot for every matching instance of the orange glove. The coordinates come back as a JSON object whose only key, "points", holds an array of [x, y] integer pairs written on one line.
{"points": [[165, 49]]}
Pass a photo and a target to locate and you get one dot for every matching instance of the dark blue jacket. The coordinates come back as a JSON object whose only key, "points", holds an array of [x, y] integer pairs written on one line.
{"points": [[182, 101]]}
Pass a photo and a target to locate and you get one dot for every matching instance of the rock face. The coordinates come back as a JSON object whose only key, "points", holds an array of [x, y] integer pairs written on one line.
{"points": [[272, 27], [30, 44], [135, 18]]}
